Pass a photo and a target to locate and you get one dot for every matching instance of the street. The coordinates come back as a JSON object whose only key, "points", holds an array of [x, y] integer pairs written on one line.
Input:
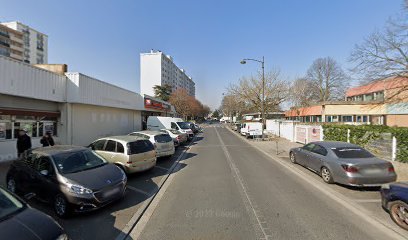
{"points": [[230, 190]]}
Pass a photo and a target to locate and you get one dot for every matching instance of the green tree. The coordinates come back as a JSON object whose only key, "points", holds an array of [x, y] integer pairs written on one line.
{"points": [[162, 92], [216, 114]]}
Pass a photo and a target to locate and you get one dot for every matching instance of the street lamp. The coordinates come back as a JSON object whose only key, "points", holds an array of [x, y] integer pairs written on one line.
{"points": [[244, 61]]}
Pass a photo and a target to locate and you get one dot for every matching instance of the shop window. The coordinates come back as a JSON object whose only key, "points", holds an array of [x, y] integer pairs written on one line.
{"points": [[5, 130]]}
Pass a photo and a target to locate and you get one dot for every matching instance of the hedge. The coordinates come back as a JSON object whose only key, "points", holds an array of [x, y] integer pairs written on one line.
{"points": [[363, 134]]}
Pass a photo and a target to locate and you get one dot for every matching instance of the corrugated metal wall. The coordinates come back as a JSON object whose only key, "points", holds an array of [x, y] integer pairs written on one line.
{"points": [[21, 79]]}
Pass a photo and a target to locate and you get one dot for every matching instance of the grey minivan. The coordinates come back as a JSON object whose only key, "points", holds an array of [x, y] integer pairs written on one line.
{"points": [[71, 178]]}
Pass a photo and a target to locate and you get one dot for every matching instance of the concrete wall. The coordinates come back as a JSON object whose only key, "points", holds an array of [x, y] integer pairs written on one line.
{"points": [[397, 120], [359, 109], [150, 72], [91, 122]]}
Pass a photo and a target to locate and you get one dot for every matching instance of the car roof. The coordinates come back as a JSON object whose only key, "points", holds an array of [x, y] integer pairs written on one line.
{"points": [[150, 132], [335, 144], [57, 149], [124, 138]]}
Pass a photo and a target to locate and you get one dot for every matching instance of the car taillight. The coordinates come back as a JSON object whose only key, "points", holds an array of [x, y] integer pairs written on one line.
{"points": [[391, 168], [350, 169]]}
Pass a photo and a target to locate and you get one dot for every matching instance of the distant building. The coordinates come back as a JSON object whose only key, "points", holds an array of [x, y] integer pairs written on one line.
{"points": [[384, 102], [35, 43], [156, 68], [11, 43]]}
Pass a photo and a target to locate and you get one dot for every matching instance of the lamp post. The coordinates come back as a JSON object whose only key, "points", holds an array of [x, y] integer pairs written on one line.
{"points": [[243, 61]]}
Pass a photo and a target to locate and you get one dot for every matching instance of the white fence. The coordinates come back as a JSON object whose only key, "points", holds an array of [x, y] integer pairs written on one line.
{"points": [[295, 131]]}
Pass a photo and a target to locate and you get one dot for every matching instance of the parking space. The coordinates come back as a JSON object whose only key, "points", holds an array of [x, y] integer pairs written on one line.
{"points": [[107, 223]]}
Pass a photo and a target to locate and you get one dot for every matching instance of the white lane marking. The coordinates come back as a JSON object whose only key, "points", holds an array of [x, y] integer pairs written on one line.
{"points": [[138, 190], [392, 231], [242, 185], [367, 200], [163, 168]]}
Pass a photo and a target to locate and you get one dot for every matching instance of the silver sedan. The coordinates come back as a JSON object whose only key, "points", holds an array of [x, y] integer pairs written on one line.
{"points": [[344, 163]]}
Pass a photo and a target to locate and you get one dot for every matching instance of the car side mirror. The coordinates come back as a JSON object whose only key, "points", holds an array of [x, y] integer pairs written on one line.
{"points": [[44, 172], [28, 196]]}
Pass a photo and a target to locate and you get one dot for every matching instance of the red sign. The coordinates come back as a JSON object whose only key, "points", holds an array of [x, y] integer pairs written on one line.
{"points": [[150, 103]]}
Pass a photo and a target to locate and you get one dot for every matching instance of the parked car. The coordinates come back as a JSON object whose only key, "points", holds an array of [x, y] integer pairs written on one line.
{"points": [[129, 153], [19, 221], [344, 163], [162, 142], [72, 179], [237, 127], [179, 138], [251, 129], [394, 198], [156, 123], [184, 127]]}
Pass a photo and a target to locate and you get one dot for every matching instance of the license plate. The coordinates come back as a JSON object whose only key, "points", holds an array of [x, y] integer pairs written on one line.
{"points": [[373, 171], [110, 193]]}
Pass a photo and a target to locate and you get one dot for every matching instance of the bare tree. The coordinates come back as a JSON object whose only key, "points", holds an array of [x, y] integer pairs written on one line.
{"points": [[302, 93], [384, 54], [249, 91], [231, 105], [328, 78]]}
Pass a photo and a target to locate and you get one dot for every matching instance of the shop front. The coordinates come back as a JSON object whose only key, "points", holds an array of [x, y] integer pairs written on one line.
{"points": [[155, 107]]}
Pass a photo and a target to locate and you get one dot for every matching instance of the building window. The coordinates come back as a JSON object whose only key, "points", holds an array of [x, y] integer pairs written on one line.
{"points": [[347, 118]]}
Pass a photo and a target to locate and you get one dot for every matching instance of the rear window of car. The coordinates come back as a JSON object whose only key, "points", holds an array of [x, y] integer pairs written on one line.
{"points": [[163, 138], [350, 152], [140, 146]]}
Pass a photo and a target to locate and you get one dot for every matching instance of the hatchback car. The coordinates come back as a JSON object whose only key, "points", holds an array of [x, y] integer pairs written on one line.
{"points": [[19, 221], [394, 198], [72, 179], [179, 138], [162, 142], [344, 163], [129, 153]]}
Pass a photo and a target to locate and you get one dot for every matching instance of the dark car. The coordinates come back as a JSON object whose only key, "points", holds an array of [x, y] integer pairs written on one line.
{"points": [[19, 221], [344, 163], [394, 198], [72, 179], [193, 127]]}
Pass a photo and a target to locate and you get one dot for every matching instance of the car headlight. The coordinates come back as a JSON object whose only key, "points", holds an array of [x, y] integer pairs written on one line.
{"points": [[62, 237], [78, 189]]}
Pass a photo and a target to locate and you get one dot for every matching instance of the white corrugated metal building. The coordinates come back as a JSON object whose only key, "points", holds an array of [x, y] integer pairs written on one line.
{"points": [[75, 107]]}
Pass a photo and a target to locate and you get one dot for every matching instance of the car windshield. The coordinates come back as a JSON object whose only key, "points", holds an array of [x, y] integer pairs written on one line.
{"points": [[71, 162], [184, 125], [163, 138], [350, 152], [9, 204], [140, 146]]}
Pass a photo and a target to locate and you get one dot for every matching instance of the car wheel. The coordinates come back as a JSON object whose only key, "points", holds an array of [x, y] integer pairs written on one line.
{"points": [[12, 185], [399, 213], [292, 158], [326, 175], [61, 206]]}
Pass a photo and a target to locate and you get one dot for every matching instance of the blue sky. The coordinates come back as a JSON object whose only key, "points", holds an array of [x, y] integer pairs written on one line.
{"points": [[208, 38]]}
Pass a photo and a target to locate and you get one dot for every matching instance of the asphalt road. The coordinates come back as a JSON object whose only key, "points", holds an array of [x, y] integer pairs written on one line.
{"points": [[230, 190]]}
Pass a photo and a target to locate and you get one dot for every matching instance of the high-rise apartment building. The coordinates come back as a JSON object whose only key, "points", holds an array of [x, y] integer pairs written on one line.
{"points": [[35, 43], [156, 68], [11, 43]]}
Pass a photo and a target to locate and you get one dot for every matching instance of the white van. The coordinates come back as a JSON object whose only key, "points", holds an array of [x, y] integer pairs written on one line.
{"points": [[251, 129], [157, 123]]}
